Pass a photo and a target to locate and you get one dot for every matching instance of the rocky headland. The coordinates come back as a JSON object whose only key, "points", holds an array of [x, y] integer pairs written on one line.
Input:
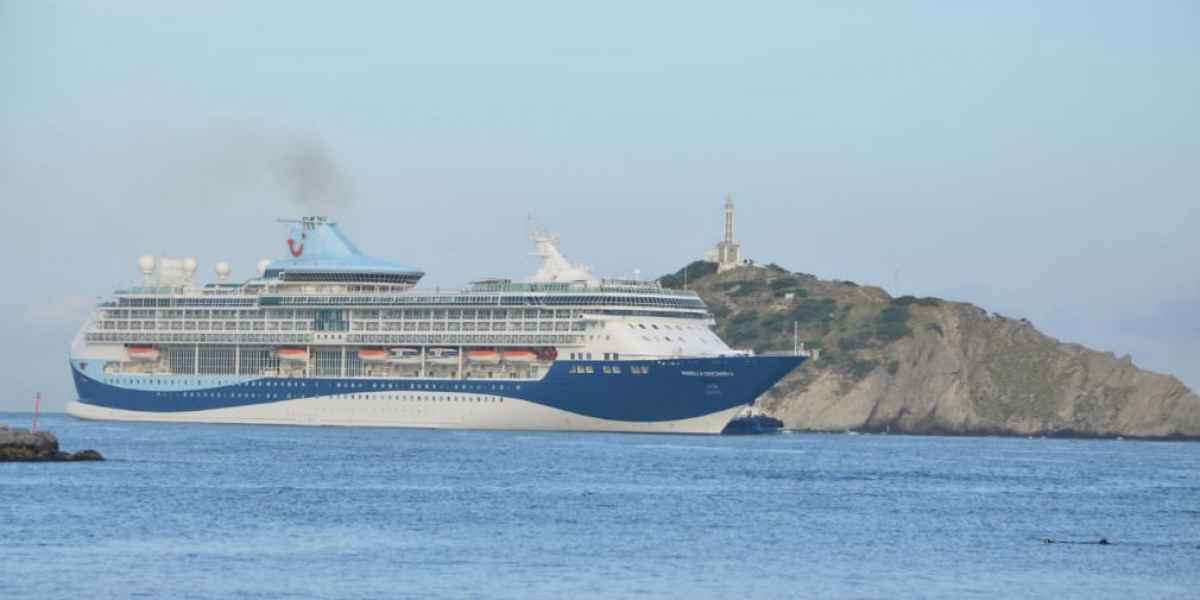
{"points": [[20, 445], [931, 366]]}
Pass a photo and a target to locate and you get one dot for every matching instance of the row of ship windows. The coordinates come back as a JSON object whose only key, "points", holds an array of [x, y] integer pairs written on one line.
{"points": [[357, 315], [463, 338], [387, 299], [639, 369], [401, 397], [667, 338], [584, 300], [454, 387], [303, 338], [588, 356], [405, 397], [666, 326], [349, 315], [305, 326]]}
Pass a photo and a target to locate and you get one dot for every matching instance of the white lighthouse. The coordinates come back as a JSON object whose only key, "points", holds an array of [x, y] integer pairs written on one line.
{"points": [[727, 254]]}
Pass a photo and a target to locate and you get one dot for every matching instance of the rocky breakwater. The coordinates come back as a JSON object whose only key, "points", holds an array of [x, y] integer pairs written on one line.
{"points": [[22, 445]]}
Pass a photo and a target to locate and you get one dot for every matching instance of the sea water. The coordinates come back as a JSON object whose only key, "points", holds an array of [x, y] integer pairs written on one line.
{"points": [[232, 511]]}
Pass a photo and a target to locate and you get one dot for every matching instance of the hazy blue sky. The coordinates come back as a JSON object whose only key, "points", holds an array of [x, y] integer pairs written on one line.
{"points": [[1039, 159]]}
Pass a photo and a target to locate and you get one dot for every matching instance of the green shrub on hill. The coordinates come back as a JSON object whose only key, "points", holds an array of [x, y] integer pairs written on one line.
{"points": [[784, 283], [854, 329], [906, 300], [748, 287], [860, 367], [685, 276], [776, 321], [814, 310], [781, 286], [742, 328], [892, 323], [719, 311]]}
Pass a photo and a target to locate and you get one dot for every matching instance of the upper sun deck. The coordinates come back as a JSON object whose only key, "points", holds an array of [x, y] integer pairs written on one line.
{"points": [[325, 267]]}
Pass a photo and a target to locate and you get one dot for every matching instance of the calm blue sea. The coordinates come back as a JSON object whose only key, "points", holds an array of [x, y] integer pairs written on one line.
{"points": [[229, 511]]}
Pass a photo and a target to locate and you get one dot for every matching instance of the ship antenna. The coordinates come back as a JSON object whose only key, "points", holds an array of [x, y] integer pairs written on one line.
{"points": [[37, 407]]}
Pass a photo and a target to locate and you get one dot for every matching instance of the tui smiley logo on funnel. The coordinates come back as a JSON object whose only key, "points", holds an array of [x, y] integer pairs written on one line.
{"points": [[294, 249]]}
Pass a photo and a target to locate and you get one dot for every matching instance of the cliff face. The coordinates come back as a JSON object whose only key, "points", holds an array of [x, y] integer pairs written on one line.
{"points": [[909, 365]]}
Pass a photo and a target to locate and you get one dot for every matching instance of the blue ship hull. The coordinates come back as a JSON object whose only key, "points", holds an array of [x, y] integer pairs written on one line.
{"points": [[652, 391]]}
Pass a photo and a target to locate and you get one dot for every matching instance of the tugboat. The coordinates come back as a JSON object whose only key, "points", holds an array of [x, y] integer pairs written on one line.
{"points": [[752, 422]]}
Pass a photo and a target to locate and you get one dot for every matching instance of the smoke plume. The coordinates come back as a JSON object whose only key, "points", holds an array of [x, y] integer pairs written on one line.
{"points": [[312, 176], [224, 167]]}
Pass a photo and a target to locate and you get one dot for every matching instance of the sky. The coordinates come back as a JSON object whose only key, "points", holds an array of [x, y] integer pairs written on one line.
{"points": [[1038, 159]]}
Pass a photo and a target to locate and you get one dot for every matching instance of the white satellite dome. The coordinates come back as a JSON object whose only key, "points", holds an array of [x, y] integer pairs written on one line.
{"points": [[146, 264], [262, 266], [189, 266], [223, 270]]}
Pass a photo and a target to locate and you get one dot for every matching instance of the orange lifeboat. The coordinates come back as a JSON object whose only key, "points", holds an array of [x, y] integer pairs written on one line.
{"points": [[372, 355], [143, 353], [520, 356], [490, 357], [293, 354]]}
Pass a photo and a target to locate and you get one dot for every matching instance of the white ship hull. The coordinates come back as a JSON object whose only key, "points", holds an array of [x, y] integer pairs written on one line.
{"points": [[440, 411]]}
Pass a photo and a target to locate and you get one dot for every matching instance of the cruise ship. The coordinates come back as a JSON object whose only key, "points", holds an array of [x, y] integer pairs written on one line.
{"points": [[328, 335]]}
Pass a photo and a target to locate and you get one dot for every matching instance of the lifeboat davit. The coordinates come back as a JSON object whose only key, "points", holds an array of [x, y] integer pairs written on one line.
{"points": [[404, 355], [293, 354], [520, 356], [442, 356], [143, 353], [372, 355], [489, 357]]}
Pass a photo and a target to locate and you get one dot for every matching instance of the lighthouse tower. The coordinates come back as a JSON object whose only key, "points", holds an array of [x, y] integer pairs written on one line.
{"points": [[727, 254]]}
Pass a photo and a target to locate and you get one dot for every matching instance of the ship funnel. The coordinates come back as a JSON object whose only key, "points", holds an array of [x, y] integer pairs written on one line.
{"points": [[317, 248]]}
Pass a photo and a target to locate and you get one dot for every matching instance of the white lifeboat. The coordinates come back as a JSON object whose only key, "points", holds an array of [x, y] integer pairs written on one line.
{"points": [[404, 355], [143, 353], [372, 355], [442, 356]]}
